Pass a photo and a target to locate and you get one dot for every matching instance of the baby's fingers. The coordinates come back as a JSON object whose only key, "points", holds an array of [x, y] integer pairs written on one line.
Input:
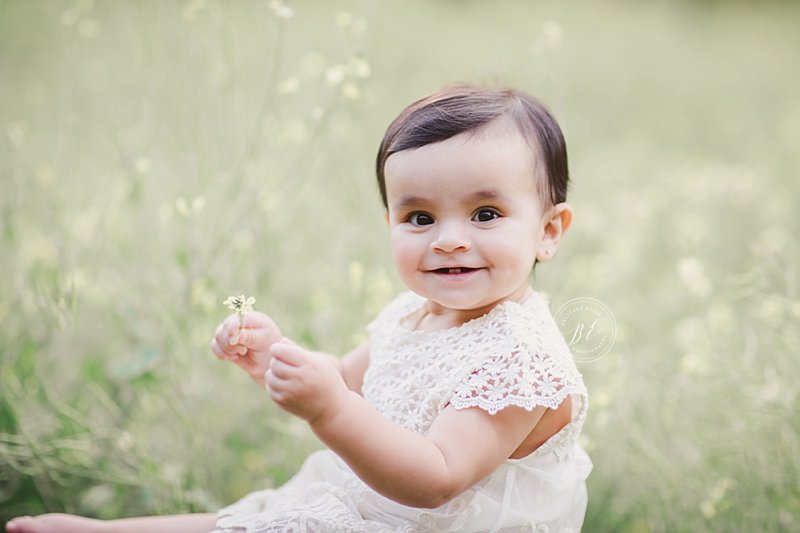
{"points": [[231, 354], [218, 351], [256, 337], [290, 353], [225, 331]]}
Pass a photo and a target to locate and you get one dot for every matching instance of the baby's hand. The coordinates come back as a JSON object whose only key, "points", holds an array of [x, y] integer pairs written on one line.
{"points": [[305, 383], [251, 350]]}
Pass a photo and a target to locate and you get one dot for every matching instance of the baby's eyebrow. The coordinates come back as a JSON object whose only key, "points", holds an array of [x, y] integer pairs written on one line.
{"points": [[408, 200], [486, 194], [483, 195]]}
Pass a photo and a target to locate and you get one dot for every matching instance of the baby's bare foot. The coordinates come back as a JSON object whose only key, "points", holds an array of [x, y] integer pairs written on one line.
{"points": [[54, 523]]}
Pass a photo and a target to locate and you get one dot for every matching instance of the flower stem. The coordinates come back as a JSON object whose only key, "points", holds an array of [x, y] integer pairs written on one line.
{"points": [[241, 325]]}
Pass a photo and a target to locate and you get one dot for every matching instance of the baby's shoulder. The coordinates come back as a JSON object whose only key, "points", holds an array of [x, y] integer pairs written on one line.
{"points": [[402, 305], [523, 360], [529, 325]]}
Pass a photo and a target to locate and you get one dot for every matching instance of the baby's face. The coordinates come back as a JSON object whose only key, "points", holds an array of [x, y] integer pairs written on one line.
{"points": [[465, 218]]}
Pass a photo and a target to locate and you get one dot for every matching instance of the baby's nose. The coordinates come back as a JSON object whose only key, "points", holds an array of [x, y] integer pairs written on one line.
{"points": [[451, 238]]}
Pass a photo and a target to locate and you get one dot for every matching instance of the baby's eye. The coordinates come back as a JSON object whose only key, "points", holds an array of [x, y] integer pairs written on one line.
{"points": [[485, 215], [420, 219]]}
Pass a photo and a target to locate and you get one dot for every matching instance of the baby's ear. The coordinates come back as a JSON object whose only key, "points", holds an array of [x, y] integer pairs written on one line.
{"points": [[386, 216], [556, 221], [560, 219]]}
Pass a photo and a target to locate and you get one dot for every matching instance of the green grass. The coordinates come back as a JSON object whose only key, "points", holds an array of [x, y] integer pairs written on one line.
{"points": [[156, 157]]}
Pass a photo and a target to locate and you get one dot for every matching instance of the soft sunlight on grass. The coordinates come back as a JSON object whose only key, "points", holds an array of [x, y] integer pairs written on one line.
{"points": [[156, 157]]}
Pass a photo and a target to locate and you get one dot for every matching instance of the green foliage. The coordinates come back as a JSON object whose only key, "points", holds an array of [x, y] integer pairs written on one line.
{"points": [[157, 156]]}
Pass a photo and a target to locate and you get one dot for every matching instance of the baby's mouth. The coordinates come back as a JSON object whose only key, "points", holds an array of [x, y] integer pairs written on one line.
{"points": [[456, 270]]}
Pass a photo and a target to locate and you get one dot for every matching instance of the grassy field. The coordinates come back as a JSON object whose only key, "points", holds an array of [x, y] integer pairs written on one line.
{"points": [[156, 157]]}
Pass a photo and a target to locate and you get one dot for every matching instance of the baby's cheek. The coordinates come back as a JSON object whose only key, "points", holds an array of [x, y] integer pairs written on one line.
{"points": [[406, 254]]}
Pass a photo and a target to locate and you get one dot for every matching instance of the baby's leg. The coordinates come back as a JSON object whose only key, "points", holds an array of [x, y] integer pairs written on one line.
{"points": [[179, 523], [64, 523], [53, 523]]}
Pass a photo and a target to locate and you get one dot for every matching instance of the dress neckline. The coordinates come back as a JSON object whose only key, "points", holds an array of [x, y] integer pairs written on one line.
{"points": [[419, 301]]}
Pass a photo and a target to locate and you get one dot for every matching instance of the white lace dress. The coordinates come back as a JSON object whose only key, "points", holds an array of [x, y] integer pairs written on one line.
{"points": [[514, 355]]}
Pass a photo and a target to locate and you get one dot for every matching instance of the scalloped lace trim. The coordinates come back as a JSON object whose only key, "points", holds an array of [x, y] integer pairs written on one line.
{"points": [[320, 508], [519, 379]]}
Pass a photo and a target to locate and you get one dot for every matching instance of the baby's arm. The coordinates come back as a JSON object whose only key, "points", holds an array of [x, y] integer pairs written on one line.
{"points": [[353, 366], [461, 448]]}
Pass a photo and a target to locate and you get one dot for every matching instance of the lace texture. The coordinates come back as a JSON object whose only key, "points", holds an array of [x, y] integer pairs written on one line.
{"points": [[514, 355], [321, 508]]}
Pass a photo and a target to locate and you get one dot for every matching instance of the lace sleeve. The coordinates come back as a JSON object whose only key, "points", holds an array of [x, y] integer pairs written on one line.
{"points": [[521, 377]]}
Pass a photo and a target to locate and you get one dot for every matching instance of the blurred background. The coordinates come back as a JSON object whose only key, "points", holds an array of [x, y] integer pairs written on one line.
{"points": [[157, 157]]}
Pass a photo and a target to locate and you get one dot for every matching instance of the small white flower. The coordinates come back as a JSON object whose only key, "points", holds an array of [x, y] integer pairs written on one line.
{"points": [[281, 10], [142, 165], [344, 19], [359, 26], [360, 67], [182, 207], [198, 203], [351, 91], [289, 85], [241, 305], [335, 74]]}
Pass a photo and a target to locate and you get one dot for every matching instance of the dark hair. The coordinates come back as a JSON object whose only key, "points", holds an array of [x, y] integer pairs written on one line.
{"points": [[463, 108]]}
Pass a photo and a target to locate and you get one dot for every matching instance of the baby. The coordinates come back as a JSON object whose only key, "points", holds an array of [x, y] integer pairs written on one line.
{"points": [[463, 411]]}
